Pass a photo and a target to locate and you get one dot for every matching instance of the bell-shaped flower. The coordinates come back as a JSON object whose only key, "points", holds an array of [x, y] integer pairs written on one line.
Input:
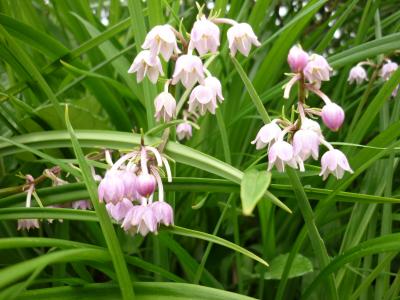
{"points": [[306, 140], [27, 224], [202, 98], [333, 116], [163, 212], [204, 36], [281, 154], [335, 162], [214, 84], [145, 64], [240, 37], [317, 69], [267, 135], [188, 70], [119, 211], [140, 219], [161, 39], [388, 69], [297, 59], [129, 180], [165, 105], [111, 188], [145, 184], [184, 131], [357, 74]]}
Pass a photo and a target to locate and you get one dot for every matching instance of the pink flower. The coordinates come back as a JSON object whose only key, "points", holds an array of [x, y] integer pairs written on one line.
{"points": [[111, 187], [165, 106], [388, 69], [140, 219], [317, 69], [146, 64], [119, 210], [129, 181], [215, 85], [163, 212], [82, 204], [279, 154], [267, 135], [332, 116], [306, 140], [188, 70], [297, 59], [27, 224], [204, 36], [184, 130], [145, 184], [357, 74], [240, 37], [204, 98], [161, 39], [335, 162]]}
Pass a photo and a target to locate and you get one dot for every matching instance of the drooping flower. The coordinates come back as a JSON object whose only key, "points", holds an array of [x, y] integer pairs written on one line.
{"points": [[240, 37], [332, 116], [267, 135], [161, 39], [111, 187], [27, 224], [145, 184], [163, 212], [204, 98], [204, 36], [317, 69], [184, 130], [140, 219], [82, 204], [334, 161], [357, 74], [145, 64], [215, 85], [129, 180], [188, 70], [165, 105], [306, 140], [119, 210], [388, 69], [281, 154], [297, 59]]}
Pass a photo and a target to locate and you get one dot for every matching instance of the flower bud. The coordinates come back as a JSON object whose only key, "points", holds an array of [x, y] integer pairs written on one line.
{"points": [[145, 184], [332, 116], [297, 59]]}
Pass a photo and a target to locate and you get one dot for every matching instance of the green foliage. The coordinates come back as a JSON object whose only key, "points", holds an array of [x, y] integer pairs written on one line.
{"points": [[322, 240]]}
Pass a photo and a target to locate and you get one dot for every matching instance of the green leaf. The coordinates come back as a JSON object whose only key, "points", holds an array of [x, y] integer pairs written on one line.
{"points": [[214, 239], [254, 185]]}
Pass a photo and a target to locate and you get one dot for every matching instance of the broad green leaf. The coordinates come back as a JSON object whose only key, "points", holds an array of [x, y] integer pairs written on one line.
{"points": [[254, 185]]}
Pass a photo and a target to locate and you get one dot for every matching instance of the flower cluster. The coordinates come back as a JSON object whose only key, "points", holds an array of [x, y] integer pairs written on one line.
{"points": [[358, 74], [128, 189], [204, 39], [293, 142], [29, 188]]}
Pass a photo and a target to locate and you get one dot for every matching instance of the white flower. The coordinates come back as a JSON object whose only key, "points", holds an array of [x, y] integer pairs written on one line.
{"points": [[306, 140], [165, 105], [357, 74], [240, 37], [281, 154], [145, 64], [204, 36], [335, 162], [317, 69], [188, 70], [204, 98], [267, 135], [214, 84], [161, 39], [388, 69], [184, 130]]}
